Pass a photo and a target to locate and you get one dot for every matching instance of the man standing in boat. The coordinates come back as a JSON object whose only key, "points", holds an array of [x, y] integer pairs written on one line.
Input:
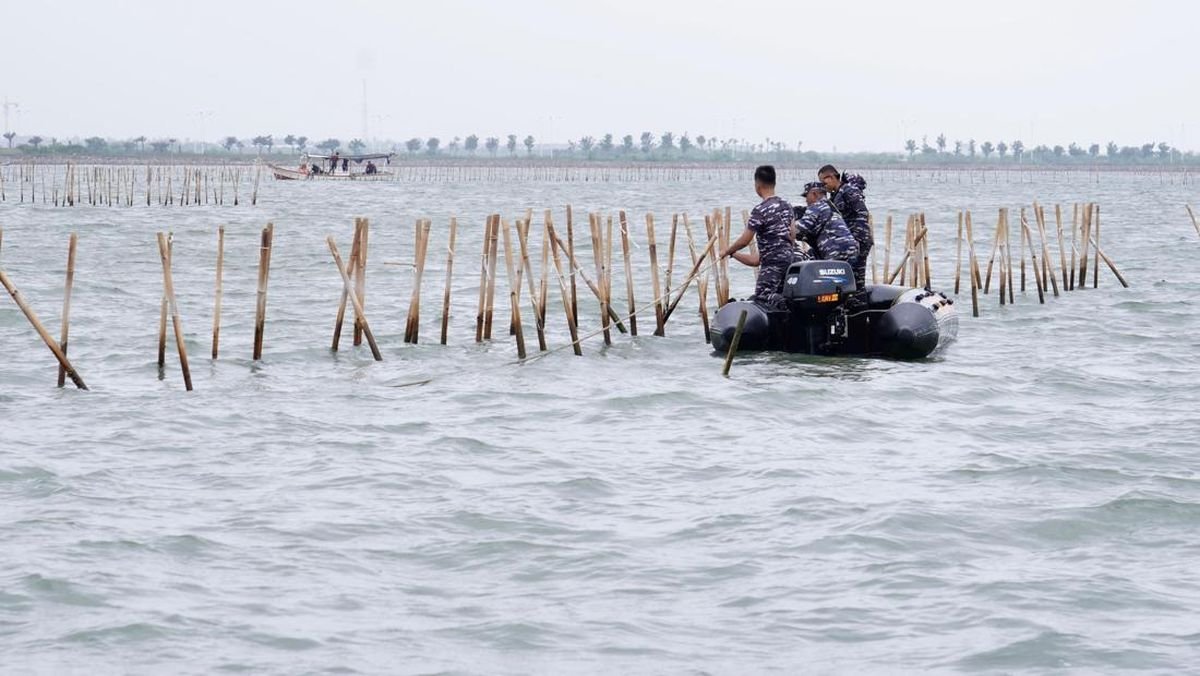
{"points": [[822, 228], [770, 225], [846, 194]]}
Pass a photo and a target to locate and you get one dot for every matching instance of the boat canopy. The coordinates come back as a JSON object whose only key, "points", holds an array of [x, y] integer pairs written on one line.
{"points": [[354, 158]]}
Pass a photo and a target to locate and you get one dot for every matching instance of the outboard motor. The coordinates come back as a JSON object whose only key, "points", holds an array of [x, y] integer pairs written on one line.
{"points": [[816, 293]]}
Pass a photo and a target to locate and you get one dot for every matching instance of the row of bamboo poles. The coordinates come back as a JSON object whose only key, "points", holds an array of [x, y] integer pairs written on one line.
{"points": [[522, 241], [69, 185]]}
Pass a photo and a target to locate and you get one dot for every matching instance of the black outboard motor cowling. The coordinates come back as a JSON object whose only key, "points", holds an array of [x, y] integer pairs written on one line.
{"points": [[818, 285]]}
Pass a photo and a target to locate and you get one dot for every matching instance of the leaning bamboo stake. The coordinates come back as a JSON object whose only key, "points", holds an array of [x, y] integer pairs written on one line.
{"points": [[348, 288], [41, 330], [66, 311], [353, 267], [216, 336], [1048, 272], [360, 276], [578, 270], [1192, 215], [1112, 266], [629, 271], [164, 251], [908, 253], [702, 285], [733, 344], [564, 290], [449, 271], [264, 272], [514, 285], [691, 276], [653, 246], [535, 300], [544, 282], [1026, 238]]}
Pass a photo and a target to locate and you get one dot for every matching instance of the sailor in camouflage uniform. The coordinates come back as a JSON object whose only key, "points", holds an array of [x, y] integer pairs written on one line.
{"points": [[770, 225], [846, 193], [822, 228]]}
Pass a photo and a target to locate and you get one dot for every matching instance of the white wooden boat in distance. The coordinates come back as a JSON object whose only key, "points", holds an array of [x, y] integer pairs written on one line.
{"points": [[329, 168]]}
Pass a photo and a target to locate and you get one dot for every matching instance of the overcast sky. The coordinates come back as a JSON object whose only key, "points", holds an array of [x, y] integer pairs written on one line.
{"points": [[851, 75]]}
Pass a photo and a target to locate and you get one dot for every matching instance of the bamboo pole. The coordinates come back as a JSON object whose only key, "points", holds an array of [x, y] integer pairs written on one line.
{"points": [[360, 275], [925, 254], [264, 272], [1085, 238], [514, 285], [1021, 247], [348, 288], [483, 277], [449, 271], [66, 310], [1062, 251], [908, 253], [578, 270], [1074, 244], [1027, 238], [41, 330], [1096, 262], [1192, 215], [162, 319], [535, 300], [1048, 272], [1002, 239], [1112, 266], [564, 291], [571, 257], [353, 267], [973, 265], [412, 329], [629, 271], [702, 285], [987, 280], [164, 251], [653, 247], [493, 270], [671, 253], [691, 275], [733, 344], [544, 289], [887, 246], [958, 255], [598, 256], [216, 335]]}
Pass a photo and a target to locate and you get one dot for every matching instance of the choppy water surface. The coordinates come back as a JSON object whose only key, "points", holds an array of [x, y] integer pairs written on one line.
{"points": [[1026, 501]]}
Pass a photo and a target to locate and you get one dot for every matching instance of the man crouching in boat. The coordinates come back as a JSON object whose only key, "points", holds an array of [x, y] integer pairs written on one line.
{"points": [[822, 228], [771, 225]]}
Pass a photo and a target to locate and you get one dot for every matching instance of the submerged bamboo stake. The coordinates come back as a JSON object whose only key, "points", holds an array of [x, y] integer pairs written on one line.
{"points": [[413, 329], [360, 276], [348, 288], [483, 277], [449, 271], [514, 285], [493, 270], [564, 291], [629, 271], [535, 300], [733, 344], [973, 265], [41, 330], [66, 311], [217, 294], [164, 251], [264, 272], [653, 246]]}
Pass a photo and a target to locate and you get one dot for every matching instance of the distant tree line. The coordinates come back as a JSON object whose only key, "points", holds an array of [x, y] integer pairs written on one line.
{"points": [[647, 146]]}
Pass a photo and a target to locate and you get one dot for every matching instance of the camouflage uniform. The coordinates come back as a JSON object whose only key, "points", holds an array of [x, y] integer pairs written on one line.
{"points": [[826, 233], [848, 201], [771, 222]]}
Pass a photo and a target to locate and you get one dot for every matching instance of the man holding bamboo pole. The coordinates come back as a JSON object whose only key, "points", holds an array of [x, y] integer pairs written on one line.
{"points": [[771, 226]]}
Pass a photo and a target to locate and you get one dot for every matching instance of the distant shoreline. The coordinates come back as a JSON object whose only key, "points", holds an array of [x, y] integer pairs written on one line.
{"points": [[404, 161]]}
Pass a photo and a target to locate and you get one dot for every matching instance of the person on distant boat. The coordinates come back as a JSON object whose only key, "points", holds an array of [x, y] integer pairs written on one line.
{"points": [[771, 225], [846, 193], [304, 168], [822, 228], [333, 163], [346, 164], [371, 168], [314, 170]]}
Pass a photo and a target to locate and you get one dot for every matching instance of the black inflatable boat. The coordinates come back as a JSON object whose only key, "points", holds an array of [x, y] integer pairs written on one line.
{"points": [[824, 313]]}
